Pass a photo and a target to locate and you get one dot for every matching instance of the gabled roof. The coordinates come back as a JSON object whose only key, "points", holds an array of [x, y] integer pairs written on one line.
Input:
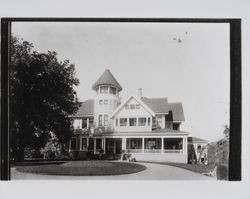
{"points": [[86, 108], [126, 101], [197, 140], [177, 111], [107, 78], [161, 105]]}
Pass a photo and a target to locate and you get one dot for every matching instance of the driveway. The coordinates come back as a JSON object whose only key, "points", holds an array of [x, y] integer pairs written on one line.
{"points": [[153, 172]]}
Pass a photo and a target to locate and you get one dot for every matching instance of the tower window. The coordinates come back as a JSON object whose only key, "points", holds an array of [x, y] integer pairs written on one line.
{"points": [[104, 89], [113, 90]]}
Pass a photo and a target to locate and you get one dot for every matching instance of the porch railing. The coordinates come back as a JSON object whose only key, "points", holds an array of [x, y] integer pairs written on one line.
{"points": [[152, 150], [173, 150], [134, 150]]}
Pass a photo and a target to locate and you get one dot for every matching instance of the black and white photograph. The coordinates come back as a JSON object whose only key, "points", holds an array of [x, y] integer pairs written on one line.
{"points": [[124, 99], [119, 101]]}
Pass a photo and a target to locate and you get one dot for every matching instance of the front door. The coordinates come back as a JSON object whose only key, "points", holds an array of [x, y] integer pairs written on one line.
{"points": [[113, 145]]}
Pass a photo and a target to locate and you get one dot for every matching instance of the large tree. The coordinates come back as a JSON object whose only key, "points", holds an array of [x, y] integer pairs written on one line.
{"points": [[41, 97]]}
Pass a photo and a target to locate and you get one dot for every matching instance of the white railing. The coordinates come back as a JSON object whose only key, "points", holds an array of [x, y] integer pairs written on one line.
{"points": [[134, 150], [173, 150], [152, 150]]}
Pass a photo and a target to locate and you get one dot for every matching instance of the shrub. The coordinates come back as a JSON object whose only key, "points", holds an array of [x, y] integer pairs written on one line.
{"points": [[222, 172]]}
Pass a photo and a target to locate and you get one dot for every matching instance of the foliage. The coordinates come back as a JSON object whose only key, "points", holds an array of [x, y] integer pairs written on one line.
{"points": [[218, 156], [41, 96]]}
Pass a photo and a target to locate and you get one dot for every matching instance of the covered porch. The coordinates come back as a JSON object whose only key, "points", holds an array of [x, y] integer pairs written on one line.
{"points": [[171, 147]]}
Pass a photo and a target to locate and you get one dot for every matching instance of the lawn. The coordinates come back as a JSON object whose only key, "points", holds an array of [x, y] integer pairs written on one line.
{"points": [[84, 168], [197, 168]]}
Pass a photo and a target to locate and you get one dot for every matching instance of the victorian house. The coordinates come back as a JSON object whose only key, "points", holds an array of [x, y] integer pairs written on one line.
{"points": [[148, 128]]}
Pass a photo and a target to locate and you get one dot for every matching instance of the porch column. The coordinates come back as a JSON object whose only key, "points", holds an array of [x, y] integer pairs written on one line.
{"points": [[162, 145], [185, 145], [87, 123], [80, 147], [87, 142], [124, 144], [143, 145], [94, 145], [103, 145]]}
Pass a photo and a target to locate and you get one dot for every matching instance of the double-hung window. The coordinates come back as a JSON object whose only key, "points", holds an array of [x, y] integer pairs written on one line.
{"points": [[123, 121], [142, 121], [100, 120]]}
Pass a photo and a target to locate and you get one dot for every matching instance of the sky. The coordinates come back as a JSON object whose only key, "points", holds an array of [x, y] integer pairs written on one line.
{"points": [[186, 62]]}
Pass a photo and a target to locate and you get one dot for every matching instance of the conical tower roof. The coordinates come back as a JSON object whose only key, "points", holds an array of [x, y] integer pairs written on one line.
{"points": [[107, 78]]}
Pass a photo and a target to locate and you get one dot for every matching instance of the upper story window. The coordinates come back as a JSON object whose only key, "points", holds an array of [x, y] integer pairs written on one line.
{"points": [[113, 90], [126, 106], [106, 102], [142, 121], [148, 121], [116, 122], [123, 121], [105, 120], [104, 89], [137, 106], [77, 123], [100, 120], [100, 102], [132, 121], [84, 123], [176, 126]]}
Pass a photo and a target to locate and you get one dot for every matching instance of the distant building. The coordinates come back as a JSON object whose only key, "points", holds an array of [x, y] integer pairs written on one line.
{"points": [[149, 128]]}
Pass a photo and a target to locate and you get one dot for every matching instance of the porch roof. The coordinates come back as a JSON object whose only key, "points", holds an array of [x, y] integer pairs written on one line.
{"points": [[158, 132]]}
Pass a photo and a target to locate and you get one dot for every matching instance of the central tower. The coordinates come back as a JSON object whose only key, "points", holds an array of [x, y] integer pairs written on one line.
{"points": [[106, 100]]}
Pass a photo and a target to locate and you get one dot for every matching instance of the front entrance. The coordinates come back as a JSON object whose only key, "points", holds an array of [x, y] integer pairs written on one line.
{"points": [[113, 145]]}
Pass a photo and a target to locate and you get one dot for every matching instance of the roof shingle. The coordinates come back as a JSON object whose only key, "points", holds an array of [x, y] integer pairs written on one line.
{"points": [[161, 105], [107, 78], [86, 108]]}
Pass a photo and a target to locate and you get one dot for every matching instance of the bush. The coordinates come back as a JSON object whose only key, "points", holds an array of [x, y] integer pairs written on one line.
{"points": [[222, 172]]}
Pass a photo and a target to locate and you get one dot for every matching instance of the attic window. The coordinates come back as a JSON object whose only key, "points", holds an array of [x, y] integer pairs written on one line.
{"points": [[132, 106], [126, 106], [137, 106]]}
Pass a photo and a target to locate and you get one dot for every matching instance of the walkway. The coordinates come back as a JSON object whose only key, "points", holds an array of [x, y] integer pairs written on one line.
{"points": [[153, 172]]}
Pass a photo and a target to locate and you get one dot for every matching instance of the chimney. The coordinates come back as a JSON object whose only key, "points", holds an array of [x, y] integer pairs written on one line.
{"points": [[140, 93]]}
